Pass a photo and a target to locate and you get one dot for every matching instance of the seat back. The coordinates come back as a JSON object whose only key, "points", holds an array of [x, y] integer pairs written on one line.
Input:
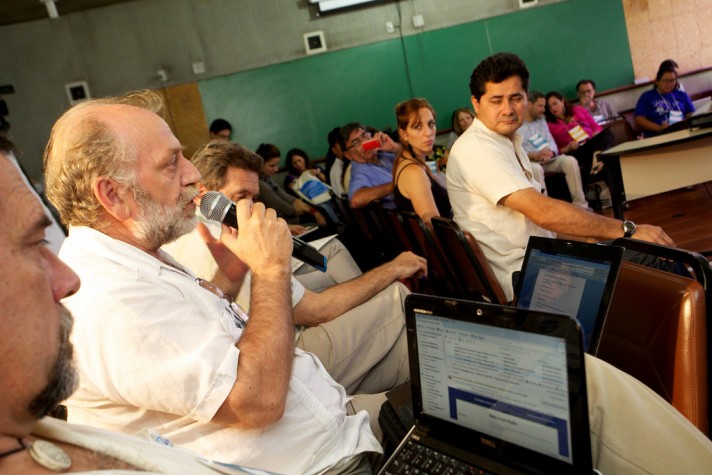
{"points": [[468, 261], [359, 235], [656, 331], [442, 277], [397, 226]]}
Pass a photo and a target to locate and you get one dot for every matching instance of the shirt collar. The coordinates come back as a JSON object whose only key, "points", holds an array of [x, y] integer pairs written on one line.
{"points": [[95, 242]]}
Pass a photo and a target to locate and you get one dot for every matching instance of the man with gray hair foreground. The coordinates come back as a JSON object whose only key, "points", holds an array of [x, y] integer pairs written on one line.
{"points": [[158, 348], [36, 357]]}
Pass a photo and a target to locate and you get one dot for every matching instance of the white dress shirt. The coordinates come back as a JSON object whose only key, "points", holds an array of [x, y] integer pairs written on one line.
{"points": [[156, 350]]}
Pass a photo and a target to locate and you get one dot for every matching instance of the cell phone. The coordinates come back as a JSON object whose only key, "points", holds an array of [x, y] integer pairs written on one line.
{"points": [[372, 144]]}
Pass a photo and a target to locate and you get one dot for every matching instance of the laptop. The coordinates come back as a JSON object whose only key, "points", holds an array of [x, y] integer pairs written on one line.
{"points": [[495, 389], [570, 277]]}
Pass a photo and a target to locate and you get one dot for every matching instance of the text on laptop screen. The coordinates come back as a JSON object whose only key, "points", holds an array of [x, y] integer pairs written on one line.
{"points": [[504, 383], [564, 284]]}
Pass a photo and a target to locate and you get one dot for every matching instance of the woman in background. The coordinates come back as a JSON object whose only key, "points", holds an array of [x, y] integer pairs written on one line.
{"points": [[297, 163], [415, 186], [311, 187], [461, 120], [576, 133], [663, 105], [286, 206]]}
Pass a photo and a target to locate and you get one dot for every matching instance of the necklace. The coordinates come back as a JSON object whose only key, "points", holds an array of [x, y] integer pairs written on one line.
{"points": [[47, 454], [14, 451]]}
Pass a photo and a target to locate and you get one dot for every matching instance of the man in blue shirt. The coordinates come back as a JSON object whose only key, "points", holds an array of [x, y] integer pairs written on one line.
{"points": [[372, 165]]}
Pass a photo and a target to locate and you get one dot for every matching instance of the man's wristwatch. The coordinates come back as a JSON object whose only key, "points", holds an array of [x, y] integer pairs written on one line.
{"points": [[629, 228]]}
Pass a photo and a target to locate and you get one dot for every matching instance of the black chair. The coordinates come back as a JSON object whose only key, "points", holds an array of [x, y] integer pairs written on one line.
{"points": [[469, 262], [358, 236], [442, 278]]}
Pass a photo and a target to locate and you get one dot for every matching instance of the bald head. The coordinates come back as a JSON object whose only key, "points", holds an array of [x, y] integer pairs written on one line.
{"points": [[91, 140]]}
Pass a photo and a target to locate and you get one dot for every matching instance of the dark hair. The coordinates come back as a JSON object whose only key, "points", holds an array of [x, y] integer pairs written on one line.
{"points": [[6, 145], [268, 151], [220, 124], [333, 137], [669, 63], [345, 132], [667, 66], [214, 158], [497, 68], [297, 152], [567, 107], [455, 119], [534, 96], [585, 81]]}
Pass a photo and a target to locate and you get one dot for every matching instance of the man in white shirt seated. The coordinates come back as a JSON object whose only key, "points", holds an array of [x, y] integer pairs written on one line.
{"points": [[159, 349], [544, 154], [36, 360], [337, 174], [356, 328], [494, 196]]}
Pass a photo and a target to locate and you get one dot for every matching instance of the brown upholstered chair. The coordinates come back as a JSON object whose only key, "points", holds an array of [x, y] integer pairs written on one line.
{"points": [[468, 261], [656, 331]]}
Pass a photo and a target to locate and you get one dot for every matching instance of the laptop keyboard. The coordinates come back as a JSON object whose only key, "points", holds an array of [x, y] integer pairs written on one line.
{"points": [[417, 459]]}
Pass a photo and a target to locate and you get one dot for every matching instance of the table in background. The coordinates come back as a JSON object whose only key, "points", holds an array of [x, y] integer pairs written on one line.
{"points": [[640, 168]]}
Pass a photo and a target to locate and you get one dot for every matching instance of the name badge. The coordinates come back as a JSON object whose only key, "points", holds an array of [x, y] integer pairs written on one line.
{"points": [[578, 134], [538, 142], [674, 117]]}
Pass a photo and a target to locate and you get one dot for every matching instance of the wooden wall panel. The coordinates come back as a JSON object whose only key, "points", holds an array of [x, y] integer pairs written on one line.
{"points": [[184, 114], [668, 29]]}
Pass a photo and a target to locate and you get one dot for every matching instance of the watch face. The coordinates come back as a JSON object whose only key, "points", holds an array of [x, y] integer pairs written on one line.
{"points": [[628, 227]]}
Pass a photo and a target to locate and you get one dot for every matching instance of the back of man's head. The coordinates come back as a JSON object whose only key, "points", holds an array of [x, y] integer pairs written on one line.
{"points": [[83, 147], [534, 96], [215, 158], [220, 124], [496, 69]]}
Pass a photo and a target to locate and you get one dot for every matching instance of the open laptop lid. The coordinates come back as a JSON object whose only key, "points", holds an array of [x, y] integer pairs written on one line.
{"points": [[502, 383], [570, 277]]}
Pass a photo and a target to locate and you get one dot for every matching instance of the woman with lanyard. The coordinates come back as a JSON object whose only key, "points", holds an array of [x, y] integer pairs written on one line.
{"points": [[664, 104]]}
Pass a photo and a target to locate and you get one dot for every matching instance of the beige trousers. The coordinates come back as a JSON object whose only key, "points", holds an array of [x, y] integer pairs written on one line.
{"points": [[365, 349]]}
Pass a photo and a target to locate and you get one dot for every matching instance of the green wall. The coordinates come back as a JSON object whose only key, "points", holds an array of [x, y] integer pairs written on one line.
{"points": [[296, 104]]}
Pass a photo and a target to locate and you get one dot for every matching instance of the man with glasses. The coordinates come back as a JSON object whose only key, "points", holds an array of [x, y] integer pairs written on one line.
{"points": [[600, 110], [372, 166]]}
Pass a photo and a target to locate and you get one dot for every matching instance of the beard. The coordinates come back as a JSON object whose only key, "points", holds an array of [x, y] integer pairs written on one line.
{"points": [[63, 378], [160, 224]]}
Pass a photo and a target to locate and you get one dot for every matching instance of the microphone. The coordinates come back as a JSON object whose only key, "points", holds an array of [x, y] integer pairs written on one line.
{"points": [[217, 207]]}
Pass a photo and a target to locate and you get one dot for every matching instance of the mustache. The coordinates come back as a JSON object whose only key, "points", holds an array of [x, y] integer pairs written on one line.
{"points": [[187, 195], [63, 379]]}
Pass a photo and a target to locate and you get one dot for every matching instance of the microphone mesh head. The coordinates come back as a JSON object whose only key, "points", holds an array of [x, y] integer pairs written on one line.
{"points": [[214, 205]]}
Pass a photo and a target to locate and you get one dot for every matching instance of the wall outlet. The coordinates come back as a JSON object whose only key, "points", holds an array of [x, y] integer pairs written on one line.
{"points": [[198, 67], [389, 27], [418, 21]]}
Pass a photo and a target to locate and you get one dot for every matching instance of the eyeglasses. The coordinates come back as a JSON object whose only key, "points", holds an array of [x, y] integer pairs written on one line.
{"points": [[238, 315], [359, 140]]}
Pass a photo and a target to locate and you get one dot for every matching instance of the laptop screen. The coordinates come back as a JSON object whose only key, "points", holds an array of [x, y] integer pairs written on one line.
{"points": [[504, 383], [499, 381], [572, 278]]}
